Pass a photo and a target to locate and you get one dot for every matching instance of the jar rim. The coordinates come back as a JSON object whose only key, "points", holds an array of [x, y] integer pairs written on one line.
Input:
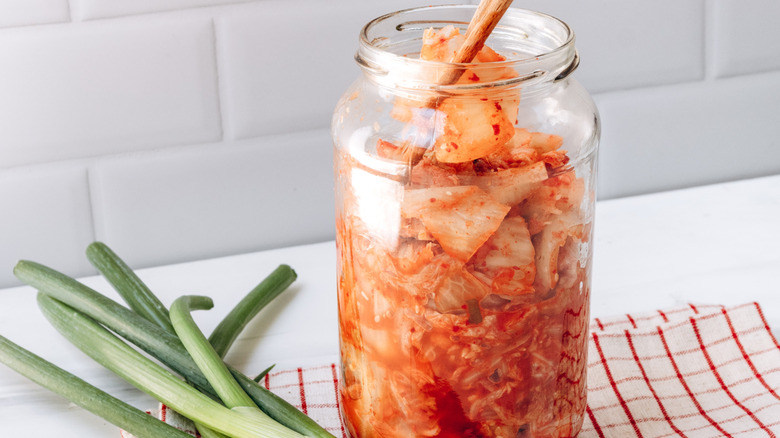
{"points": [[555, 59]]}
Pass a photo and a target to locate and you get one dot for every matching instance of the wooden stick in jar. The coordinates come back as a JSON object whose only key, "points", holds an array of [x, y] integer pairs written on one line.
{"points": [[485, 19]]}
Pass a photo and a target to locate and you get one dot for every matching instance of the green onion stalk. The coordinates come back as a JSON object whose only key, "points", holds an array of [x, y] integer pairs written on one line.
{"points": [[142, 300], [158, 342], [108, 350], [83, 394], [234, 322], [137, 295], [204, 354], [129, 286]]}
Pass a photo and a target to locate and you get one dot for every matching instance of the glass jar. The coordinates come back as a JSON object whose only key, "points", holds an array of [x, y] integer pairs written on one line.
{"points": [[464, 221]]}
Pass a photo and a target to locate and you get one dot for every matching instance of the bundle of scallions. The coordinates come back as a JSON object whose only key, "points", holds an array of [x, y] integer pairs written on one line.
{"points": [[221, 401]]}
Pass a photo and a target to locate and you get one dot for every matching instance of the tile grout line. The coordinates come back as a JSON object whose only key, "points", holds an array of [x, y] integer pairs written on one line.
{"points": [[221, 86], [92, 198], [709, 41], [72, 11], [172, 10]]}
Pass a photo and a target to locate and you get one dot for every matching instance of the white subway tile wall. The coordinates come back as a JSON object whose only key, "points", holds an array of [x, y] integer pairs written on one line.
{"points": [[102, 88], [272, 88], [216, 199], [747, 36], [632, 44], [96, 9], [176, 130], [689, 134], [29, 12], [44, 210]]}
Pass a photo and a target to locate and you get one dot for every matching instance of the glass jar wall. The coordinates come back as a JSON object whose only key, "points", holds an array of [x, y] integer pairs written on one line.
{"points": [[464, 221]]}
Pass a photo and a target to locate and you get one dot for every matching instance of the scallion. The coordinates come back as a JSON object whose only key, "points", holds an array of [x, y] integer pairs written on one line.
{"points": [[203, 353], [156, 341], [129, 286], [231, 325], [108, 350], [83, 394]]}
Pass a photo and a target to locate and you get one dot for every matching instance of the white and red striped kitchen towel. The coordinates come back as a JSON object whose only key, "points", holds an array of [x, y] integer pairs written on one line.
{"points": [[706, 371], [697, 371]]}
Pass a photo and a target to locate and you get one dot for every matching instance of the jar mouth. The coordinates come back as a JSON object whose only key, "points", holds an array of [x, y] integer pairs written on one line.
{"points": [[539, 47]]}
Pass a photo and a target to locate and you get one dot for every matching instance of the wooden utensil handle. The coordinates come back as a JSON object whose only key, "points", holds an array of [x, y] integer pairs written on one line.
{"points": [[485, 19]]}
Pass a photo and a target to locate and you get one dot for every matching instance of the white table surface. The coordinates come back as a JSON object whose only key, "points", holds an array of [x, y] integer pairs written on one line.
{"points": [[716, 244]]}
